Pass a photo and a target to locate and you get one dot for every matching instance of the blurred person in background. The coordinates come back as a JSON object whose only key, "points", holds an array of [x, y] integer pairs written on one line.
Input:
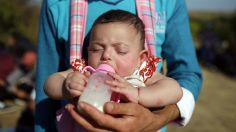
{"points": [[7, 65], [18, 61], [24, 70], [25, 53], [23, 91], [214, 53], [19, 44], [17, 78]]}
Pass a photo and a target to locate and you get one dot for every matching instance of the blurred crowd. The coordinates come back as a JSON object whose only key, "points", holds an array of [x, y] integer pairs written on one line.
{"points": [[215, 53], [17, 78]]}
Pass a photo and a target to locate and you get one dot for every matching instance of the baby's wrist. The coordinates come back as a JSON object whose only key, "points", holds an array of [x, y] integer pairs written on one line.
{"points": [[138, 95]]}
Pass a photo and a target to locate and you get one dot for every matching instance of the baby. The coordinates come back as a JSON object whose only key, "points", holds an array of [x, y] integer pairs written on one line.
{"points": [[117, 39]]}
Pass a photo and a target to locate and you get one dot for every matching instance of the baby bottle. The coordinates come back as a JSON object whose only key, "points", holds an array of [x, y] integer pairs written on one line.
{"points": [[97, 93]]}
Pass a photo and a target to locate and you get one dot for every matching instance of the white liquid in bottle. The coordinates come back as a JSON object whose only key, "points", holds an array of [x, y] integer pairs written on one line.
{"points": [[97, 93]]}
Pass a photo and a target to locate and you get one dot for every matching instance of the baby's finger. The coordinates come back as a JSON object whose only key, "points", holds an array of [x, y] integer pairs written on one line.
{"points": [[76, 82], [114, 83], [75, 93], [116, 89], [70, 75], [87, 74], [123, 91], [79, 78], [116, 77], [76, 86]]}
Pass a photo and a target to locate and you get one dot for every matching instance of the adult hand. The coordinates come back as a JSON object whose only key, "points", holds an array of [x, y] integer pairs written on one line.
{"points": [[125, 117], [88, 125]]}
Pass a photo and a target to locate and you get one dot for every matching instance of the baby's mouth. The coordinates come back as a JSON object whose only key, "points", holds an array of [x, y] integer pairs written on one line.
{"points": [[107, 63]]}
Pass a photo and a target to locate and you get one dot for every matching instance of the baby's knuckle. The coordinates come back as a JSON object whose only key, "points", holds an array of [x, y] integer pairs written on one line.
{"points": [[70, 74], [77, 74], [72, 85]]}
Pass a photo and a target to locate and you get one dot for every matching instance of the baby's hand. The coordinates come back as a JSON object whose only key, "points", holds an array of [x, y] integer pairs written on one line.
{"points": [[123, 87], [75, 83]]}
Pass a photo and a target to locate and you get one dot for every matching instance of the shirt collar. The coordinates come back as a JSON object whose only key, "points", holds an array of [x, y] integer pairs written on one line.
{"points": [[114, 2]]}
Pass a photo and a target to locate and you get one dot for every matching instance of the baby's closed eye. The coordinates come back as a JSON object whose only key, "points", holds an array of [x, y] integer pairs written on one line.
{"points": [[95, 48], [122, 50]]}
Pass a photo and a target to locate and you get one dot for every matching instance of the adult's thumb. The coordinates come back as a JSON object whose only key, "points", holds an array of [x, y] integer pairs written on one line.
{"points": [[113, 108]]}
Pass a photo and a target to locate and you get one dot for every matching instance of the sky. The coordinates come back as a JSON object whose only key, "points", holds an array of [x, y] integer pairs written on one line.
{"points": [[212, 5]]}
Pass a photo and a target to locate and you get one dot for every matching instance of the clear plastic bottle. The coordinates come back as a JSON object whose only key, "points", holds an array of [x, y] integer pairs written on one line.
{"points": [[97, 93]]}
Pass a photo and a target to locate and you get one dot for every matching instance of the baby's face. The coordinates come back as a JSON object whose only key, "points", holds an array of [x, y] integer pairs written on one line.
{"points": [[116, 44]]}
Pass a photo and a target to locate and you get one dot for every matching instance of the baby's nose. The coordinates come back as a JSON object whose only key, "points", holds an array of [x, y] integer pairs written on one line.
{"points": [[106, 55]]}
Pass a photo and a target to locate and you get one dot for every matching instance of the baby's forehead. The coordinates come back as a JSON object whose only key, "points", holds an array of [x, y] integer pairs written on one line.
{"points": [[120, 25], [124, 24], [127, 28]]}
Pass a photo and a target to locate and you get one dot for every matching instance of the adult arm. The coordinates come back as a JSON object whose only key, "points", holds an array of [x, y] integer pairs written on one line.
{"points": [[48, 62], [182, 64]]}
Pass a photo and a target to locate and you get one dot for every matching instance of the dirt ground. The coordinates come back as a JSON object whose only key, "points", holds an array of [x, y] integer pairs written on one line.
{"points": [[215, 110]]}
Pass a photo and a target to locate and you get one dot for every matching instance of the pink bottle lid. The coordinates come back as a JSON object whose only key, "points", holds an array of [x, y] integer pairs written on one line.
{"points": [[105, 68], [115, 97]]}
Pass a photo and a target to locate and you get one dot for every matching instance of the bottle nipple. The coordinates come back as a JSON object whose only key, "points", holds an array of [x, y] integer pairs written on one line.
{"points": [[105, 68]]}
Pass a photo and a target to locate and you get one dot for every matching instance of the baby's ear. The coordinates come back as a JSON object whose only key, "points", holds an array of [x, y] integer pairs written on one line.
{"points": [[143, 55]]}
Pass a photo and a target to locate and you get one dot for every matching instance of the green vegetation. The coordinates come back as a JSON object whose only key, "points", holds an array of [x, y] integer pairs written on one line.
{"points": [[18, 16]]}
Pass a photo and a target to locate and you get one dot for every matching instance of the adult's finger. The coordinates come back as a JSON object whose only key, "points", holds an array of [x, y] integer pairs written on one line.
{"points": [[77, 118], [81, 120], [122, 117], [120, 108], [99, 117], [133, 117]]}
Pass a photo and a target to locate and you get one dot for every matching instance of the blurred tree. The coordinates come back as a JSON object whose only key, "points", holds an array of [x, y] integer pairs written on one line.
{"points": [[18, 16], [196, 26]]}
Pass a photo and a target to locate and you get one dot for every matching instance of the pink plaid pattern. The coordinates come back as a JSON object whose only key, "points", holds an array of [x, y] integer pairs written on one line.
{"points": [[147, 13], [77, 27]]}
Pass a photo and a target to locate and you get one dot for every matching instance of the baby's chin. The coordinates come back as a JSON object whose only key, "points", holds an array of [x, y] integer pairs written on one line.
{"points": [[122, 74]]}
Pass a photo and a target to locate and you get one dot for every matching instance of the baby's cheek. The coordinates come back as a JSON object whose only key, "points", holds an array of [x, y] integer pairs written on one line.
{"points": [[93, 61], [125, 70]]}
